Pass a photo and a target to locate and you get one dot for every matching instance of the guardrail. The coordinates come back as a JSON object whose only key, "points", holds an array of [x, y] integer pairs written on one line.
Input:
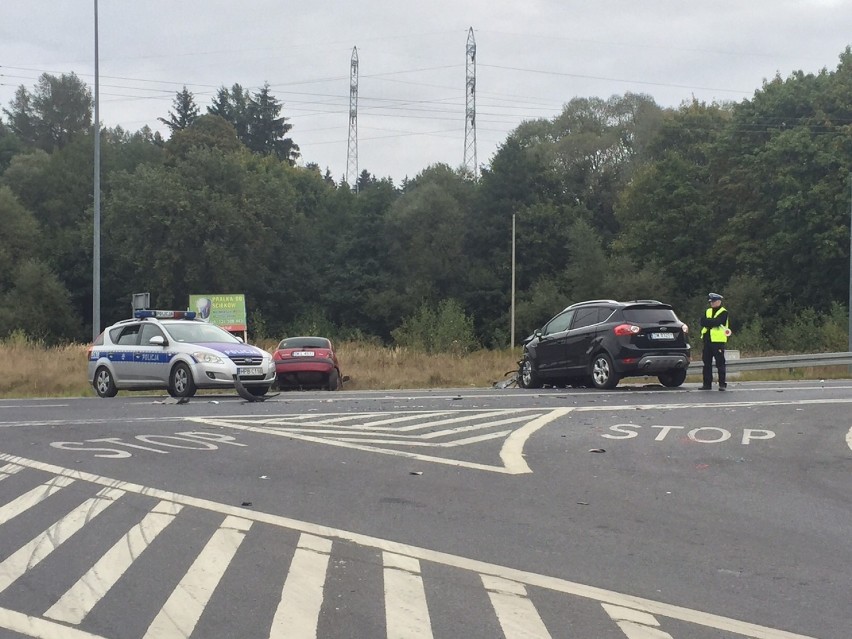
{"points": [[736, 364], [781, 361]]}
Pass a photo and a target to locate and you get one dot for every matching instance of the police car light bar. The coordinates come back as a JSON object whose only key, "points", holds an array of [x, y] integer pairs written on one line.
{"points": [[165, 314]]}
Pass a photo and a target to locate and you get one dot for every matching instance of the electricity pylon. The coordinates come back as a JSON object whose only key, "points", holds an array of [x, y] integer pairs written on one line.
{"points": [[352, 146], [470, 163]]}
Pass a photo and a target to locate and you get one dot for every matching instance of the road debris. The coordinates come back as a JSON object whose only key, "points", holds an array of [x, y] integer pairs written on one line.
{"points": [[243, 392], [510, 382]]}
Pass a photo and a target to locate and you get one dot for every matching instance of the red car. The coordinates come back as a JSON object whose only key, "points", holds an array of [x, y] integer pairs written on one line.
{"points": [[307, 362]]}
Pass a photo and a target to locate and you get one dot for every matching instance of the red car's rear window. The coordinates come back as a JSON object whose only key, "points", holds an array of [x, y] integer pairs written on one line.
{"points": [[305, 342]]}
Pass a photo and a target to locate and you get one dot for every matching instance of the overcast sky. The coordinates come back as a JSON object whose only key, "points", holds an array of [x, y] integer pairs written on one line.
{"points": [[532, 57]]}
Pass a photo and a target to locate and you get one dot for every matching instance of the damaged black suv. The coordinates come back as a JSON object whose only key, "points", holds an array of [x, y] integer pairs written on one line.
{"points": [[599, 342]]}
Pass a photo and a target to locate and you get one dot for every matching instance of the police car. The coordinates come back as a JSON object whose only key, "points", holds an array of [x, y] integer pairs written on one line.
{"points": [[172, 350]]}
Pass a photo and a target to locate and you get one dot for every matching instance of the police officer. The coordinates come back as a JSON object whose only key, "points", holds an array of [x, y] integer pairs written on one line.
{"points": [[714, 333]]}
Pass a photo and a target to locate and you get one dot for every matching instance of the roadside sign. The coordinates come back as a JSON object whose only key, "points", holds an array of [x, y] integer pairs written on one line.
{"points": [[226, 310]]}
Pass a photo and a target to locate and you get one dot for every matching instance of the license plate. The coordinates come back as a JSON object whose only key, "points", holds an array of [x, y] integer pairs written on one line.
{"points": [[254, 370], [303, 353], [662, 335]]}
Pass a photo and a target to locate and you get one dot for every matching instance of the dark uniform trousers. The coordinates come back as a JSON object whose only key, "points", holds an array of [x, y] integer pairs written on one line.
{"points": [[714, 350]]}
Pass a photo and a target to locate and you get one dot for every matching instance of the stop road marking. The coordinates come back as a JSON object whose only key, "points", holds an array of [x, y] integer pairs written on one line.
{"points": [[701, 435]]}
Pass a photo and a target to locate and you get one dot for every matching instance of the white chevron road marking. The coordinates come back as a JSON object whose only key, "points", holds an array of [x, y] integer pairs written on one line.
{"points": [[373, 435], [179, 616]]}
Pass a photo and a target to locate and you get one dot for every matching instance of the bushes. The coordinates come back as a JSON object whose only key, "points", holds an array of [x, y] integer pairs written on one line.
{"points": [[445, 329], [806, 331]]}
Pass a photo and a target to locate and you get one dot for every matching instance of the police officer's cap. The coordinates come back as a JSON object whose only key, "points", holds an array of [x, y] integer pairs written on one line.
{"points": [[713, 297]]}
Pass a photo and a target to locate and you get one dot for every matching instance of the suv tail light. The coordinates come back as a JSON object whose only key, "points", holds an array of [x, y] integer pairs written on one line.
{"points": [[626, 329]]}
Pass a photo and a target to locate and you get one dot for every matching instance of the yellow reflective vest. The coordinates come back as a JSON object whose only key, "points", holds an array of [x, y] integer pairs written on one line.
{"points": [[718, 334]]}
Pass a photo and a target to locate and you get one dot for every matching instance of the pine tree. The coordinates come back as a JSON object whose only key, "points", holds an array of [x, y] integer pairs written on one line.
{"points": [[185, 111]]}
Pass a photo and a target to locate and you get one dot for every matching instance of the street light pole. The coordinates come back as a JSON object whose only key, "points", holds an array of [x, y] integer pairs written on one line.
{"points": [[96, 250], [849, 307], [512, 343]]}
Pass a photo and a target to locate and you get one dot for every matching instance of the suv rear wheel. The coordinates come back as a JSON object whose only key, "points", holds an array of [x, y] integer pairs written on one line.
{"points": [[527, 377], [603, 374], [673, 379]]}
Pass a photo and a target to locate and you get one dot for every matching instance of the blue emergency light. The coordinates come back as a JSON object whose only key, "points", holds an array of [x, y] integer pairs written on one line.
{"points": [[164, 314]]}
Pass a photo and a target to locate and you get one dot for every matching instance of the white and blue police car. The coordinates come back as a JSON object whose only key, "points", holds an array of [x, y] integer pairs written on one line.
{"points": [[173, 350]]}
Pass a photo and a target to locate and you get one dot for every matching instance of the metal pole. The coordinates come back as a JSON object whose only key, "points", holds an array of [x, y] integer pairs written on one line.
{"points": [[96, 251], [850, 267], [512, 344]]}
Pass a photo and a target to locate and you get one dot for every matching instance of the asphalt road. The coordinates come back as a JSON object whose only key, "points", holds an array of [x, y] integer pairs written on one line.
{"points": [[643, 512]]}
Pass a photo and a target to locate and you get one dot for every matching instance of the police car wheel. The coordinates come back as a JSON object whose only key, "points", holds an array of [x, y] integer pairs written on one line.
{"points": [[104, 384], [181, 383]]}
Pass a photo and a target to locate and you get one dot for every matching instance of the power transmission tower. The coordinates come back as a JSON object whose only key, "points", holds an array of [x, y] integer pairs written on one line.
{"points": [[470, 163], [352, 146]]}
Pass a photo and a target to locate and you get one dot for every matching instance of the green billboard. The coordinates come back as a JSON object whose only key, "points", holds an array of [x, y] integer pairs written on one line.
{"points": [[227, 310]]}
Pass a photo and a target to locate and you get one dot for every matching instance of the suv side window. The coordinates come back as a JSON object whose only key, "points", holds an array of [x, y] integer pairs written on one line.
{"points": [[149, 331], [652, 315], [586, 316], [559, 323], [604, 313], [128, 335]]}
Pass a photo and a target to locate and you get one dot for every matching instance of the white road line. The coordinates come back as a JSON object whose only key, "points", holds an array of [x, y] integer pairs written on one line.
{"points": [[365, 430], [759, 403], [404, 418], [333, 442], [297, 616], [849, 438], [331, 419], [464, 418], [79, 600], [512, 452], [40, 547], [8, 470], [406, 612], [31, 498], [517, 615], [40, 628], [635, 623], [320, 422], [177, 618], [34, 405], [465, 429], [709, 620], [407, 442]]}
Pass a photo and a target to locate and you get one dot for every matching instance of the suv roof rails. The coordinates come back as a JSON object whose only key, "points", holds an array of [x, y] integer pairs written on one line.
{"points": [[593, 302], [645, 302]]}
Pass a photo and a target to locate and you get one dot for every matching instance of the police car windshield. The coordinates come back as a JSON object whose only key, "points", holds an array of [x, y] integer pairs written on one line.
{"points": [[198, 332]]}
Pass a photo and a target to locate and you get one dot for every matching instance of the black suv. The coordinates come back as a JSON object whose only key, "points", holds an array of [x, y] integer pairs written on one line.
{"points": [[598, 342]]}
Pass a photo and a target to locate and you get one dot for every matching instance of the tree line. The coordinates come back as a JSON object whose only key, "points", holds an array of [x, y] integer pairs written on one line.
{"points": [[612, 198]]}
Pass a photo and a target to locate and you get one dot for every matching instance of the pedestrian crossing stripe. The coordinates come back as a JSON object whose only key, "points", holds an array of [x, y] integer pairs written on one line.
{"points": [[406, 607], [402, 433]]}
